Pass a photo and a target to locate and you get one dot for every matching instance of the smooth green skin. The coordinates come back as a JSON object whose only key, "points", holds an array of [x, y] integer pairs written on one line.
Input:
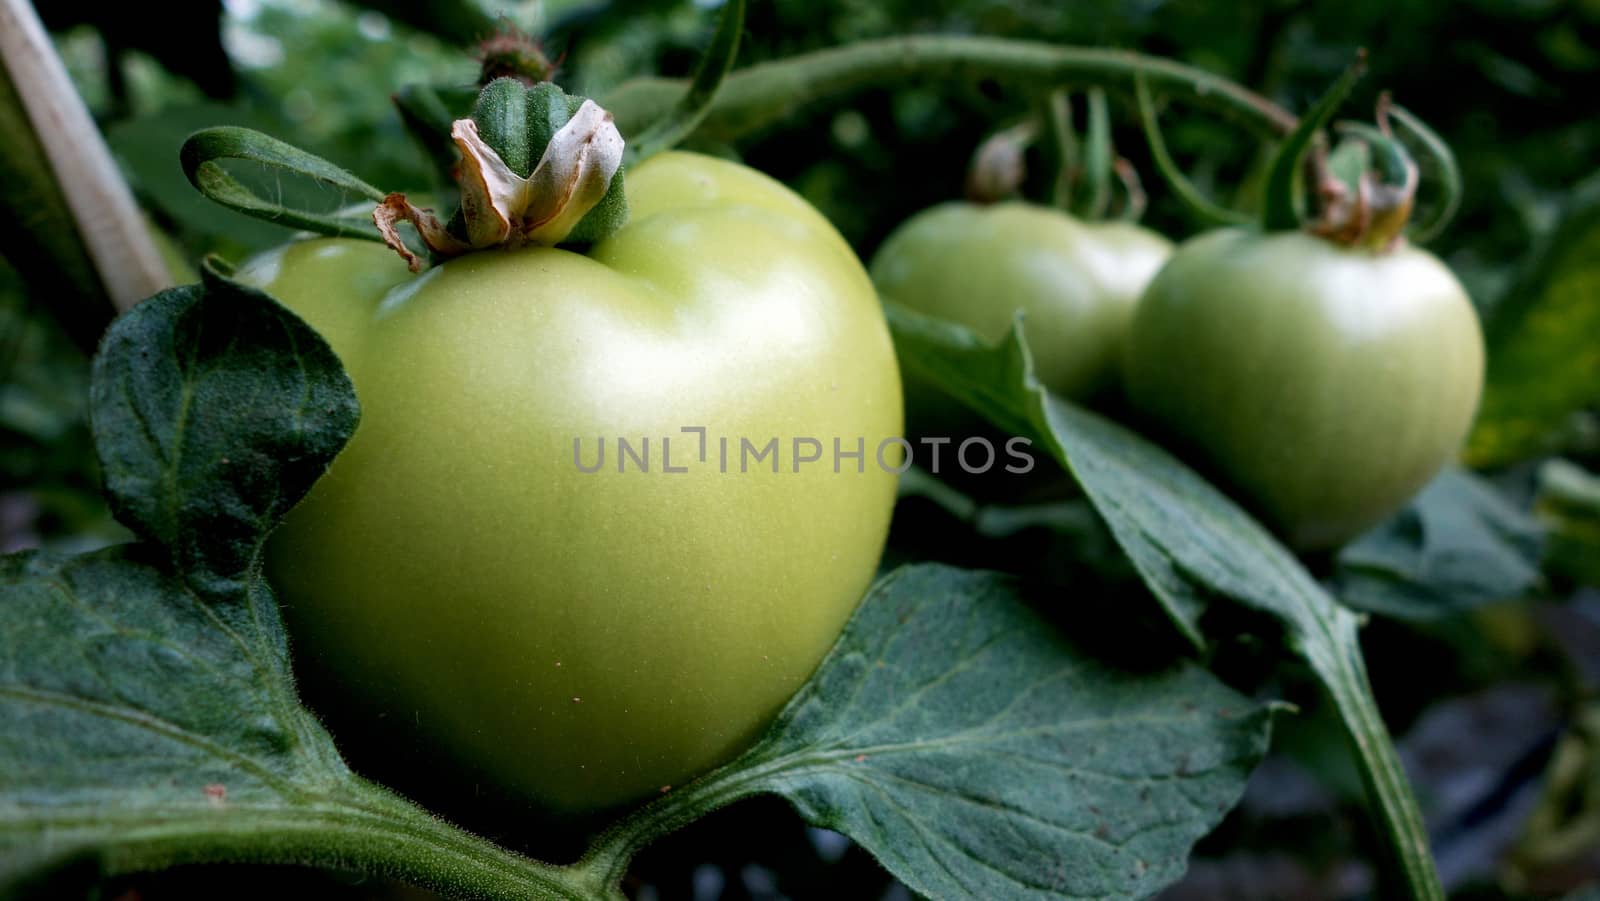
{"points": [[1076, 283], [585, 639], [1326, 384]]}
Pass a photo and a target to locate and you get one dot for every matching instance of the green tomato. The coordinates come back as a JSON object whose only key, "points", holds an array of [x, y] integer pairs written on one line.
{"points": [[1326, 384], [1076, 283], [586, 638]]}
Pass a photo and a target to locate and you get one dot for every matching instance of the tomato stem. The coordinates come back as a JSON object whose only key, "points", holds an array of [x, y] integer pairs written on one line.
{"points": [[1198, 205], [607, 859], [761, 95], [1097, 156], [359, 827], [1062, 141], [1338, 662]]}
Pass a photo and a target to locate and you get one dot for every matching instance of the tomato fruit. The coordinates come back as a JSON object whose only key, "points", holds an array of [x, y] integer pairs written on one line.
{"points": [[1075, 282], [1326, 384], [586, 638]]}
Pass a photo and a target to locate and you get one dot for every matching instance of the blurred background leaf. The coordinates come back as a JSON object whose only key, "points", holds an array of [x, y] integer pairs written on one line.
{"points": [[37, 230], [1544, 361], [1458, 544], [1569, 505]]}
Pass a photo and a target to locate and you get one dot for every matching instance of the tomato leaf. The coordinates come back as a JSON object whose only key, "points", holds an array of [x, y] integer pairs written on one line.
{"points": [[978, 752], [1190, 543], [200, 157], [1568, 504], [1543, 361], [1281, 207], [146, 726], [152, 719], [1458, 544], [214, 409], [144, 146], [150, 714], [685, 116], [1440, 167]]}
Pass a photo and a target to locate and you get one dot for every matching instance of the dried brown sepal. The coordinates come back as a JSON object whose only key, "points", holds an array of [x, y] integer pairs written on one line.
{"points": [[394, 210], [490, 191], [1392, 202], [999, 165], [1370, 209], [1389, 211], [1134, 205], [573, 175], [1373, 215], [501, 207], [1346, 214]]}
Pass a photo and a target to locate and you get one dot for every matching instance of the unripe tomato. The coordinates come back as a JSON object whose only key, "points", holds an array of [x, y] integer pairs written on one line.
{"points": [[586, 638], [1075, 282], [1327, 384]]}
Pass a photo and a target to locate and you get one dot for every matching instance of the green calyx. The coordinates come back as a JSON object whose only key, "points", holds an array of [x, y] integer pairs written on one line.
{"points": [[1363, 190], [519, 122], [538, 166]]}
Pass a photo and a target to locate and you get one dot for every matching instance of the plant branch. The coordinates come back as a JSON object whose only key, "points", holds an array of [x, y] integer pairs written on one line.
{"points": [[761, 95], [1198, 205], [1338, 662], [607, 859], [371, 831]]}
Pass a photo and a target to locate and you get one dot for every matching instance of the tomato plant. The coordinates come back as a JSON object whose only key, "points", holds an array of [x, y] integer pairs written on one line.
{"points": [[566, 516], [611, 632]]}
